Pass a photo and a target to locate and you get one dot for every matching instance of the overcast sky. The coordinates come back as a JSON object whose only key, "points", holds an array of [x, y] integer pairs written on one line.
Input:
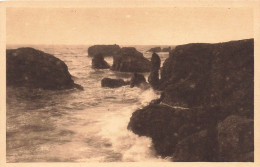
{"points": [[127, 26]]}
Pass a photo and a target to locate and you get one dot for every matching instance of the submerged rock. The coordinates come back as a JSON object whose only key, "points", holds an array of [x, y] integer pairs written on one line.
{"points": [[130, 60], [203, 86], [113, 83], [155, 49], [105, 50], [28, 67], [99, 62]]}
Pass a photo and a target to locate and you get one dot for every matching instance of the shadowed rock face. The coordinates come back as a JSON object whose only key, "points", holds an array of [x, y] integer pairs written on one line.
{"points": [[99, 62], [28, 67], [130, 60], [105, 50], [113, 83], [214, 86]]}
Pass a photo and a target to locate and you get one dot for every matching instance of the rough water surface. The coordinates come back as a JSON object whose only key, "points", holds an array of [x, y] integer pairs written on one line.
{"points": [[78, 126]]}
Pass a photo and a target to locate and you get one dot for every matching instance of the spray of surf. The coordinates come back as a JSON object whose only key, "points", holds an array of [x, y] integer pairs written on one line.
{"points": [[131, 146]]}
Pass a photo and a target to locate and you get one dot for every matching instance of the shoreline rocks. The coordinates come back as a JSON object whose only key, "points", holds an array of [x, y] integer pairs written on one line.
{"points": [[31, 68], [105, 50], [130, 60], [98, 62], [206, 109]]}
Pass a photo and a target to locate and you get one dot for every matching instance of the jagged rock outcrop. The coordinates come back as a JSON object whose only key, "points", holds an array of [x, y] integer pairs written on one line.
{"points": [[130, 60], [155, 49], [113, 83], [28, 67], [98, 62], [212, 86], [153, 78], [105, 50]]}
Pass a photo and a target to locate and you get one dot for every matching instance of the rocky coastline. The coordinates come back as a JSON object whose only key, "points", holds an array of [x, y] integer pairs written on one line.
{"points": [[206, 110]]}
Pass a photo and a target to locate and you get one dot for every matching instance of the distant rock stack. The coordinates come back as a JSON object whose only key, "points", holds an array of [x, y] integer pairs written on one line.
{"points": [[105, 50], [99, 62], [155, 49], [153, 78]]}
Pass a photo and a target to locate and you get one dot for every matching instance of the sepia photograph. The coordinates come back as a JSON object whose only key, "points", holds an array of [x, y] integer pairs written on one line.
{"points": [[129, 84]]}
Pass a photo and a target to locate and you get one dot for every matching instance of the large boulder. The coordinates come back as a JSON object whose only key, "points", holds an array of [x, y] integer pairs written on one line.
{"points": [[202, 86], [236, 139], [28, 67], [153, 78], [130, 60], [105, 50], [99, 62], [113, 83], [155, 49]]}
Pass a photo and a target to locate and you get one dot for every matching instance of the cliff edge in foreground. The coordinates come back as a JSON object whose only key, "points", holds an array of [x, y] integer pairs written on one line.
{"points": [[206, 110]]}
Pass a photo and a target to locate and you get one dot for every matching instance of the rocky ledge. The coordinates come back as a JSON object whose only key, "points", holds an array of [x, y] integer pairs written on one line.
{"points": [[28, 67], [206, 110]]}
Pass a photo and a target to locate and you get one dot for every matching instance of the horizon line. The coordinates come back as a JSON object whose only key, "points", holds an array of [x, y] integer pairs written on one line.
{"points": [[139, 44]]}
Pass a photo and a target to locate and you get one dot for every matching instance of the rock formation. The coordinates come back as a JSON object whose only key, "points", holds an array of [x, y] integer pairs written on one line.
{"points": [[28, 67], [166, 49], [130, 60], [155, 49], [113, 83], [153, 78], [206, 109], [138, 80], [105, 50], [99, 62]]}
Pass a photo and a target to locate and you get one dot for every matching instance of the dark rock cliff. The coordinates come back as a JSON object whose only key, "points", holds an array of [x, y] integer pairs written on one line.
{"points": [[212, 86]]}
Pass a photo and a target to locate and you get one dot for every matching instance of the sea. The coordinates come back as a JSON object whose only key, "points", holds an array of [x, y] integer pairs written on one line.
{"points": [[74, 125]]}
